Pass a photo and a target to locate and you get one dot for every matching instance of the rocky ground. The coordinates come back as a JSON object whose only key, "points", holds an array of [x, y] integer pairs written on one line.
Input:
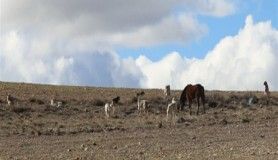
{"points": [[237, 125]]}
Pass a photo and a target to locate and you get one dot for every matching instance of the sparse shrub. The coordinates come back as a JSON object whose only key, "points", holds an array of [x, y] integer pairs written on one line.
{"points": [[129, 101], [245, 120], [181, 120], [21, 109], [212, 104], [133, 100], [37, 101], [218, 98], [255, 99], [49, 108], [149, 122], [157, 100], [98, 102], [234, 99], [224, 122]]}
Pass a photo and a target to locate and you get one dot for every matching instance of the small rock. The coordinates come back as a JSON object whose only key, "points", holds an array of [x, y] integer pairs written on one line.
{"points": [[82, 145], [94, 143], [262, 136], [115, 147], [159, 125], [86, 149], [245, 120], [69, 150], [194, 137]]}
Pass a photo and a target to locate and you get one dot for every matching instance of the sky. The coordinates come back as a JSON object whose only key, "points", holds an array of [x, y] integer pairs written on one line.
{"points": [[224, 45]]}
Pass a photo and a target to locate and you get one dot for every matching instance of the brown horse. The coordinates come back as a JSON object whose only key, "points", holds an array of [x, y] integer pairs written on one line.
{"points": [[191, 92]]}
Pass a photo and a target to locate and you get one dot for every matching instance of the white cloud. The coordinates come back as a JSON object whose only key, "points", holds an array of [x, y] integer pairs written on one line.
{"points": [[19, 62], [241, 62]]}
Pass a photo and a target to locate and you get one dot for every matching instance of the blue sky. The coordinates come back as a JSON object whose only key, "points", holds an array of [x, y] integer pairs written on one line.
{"points": [[218, 28], [144, 44]]}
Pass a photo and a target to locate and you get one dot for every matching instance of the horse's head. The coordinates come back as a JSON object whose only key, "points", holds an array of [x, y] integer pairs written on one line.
{"points": [[183, 98], [265, 83], [181, 105]]}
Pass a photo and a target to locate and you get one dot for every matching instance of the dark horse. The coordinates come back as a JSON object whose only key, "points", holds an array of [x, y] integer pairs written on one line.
{"points": [[191, 92]]}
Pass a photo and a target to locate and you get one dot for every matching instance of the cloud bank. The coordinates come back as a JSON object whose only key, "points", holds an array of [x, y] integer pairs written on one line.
{"points": [[20, 61], [240, 62]]}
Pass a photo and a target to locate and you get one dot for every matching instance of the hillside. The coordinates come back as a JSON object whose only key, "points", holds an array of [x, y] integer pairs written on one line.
{"points": [[232, 128]]}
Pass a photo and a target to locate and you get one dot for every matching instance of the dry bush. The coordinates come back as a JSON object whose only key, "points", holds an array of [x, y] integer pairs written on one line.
{"points": [[233, 98], [36, 101], [49, 108], [98, 102], [245, 120], [217, 97], [132, 100], [212, 104], [215, 100], [157, 100], [22, 109]]}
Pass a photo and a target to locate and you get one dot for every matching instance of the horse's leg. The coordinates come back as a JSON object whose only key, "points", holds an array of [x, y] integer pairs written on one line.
{"points": [[189, 106], [189, 103], [178, 107], [181, 105], [198, 104]]}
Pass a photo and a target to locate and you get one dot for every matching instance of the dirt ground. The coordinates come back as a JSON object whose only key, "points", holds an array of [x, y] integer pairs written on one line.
{"points": [[237, 125]]}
